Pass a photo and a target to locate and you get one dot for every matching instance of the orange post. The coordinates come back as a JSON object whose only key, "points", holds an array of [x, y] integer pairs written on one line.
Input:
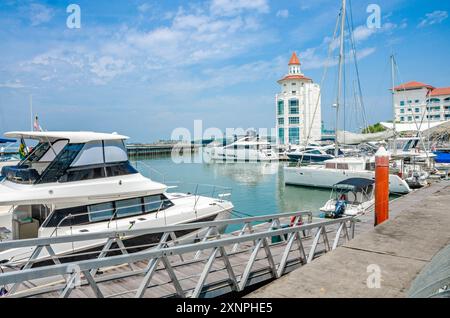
{"points": [[381, 186]]}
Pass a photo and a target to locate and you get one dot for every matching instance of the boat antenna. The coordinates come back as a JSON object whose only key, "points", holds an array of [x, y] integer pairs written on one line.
{"points": [[341, 59]]}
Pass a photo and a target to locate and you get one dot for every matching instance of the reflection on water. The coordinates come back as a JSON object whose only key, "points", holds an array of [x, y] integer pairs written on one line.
{"points": [[257, 188]]}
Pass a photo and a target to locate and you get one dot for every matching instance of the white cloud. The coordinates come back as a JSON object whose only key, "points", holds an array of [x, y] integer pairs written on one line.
{"points": [[434, 17], [362, 33], [144, 7], [12, 84], [39, 14], [107, 67], [234, 7], [283, 13]]}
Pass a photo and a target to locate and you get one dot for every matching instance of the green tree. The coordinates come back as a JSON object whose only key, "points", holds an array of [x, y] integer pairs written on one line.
{"points": [[373, 129]]}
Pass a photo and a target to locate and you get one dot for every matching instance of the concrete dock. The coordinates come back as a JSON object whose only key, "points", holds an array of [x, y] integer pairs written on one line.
{"points": [[418, 228]]}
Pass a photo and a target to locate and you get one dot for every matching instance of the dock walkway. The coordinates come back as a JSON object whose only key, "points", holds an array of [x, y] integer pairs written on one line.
{"points": [[397, 249]]}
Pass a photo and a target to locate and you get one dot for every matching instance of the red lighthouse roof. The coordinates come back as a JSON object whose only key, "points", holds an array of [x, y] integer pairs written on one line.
{"points": [[412, 85], [294, 60]]}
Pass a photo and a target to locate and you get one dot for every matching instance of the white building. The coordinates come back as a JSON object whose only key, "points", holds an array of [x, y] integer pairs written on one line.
{"points": [[416, 101], [295, 106]]}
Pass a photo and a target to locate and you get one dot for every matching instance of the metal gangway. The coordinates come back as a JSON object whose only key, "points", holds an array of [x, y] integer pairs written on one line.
{"points": [[204, 263]]}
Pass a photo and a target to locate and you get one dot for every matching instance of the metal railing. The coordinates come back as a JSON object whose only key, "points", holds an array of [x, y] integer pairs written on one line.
{"points": [[300, 228]]}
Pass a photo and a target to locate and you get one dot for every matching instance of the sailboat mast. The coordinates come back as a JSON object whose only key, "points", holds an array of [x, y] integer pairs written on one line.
{"points": [[341, 60], [31, 112], [393, 103]]}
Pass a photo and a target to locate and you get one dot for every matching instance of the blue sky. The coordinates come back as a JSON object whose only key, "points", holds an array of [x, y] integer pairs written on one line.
{"points": [[143, 68]]}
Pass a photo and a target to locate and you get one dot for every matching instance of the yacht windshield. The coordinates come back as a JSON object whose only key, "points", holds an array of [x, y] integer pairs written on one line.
{"points": [[36, 154]]}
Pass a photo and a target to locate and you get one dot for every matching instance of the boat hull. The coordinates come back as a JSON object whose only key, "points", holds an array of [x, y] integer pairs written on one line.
{"points": [[320, 177]]}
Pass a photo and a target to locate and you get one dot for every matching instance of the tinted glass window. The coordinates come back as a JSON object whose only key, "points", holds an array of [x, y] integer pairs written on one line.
{"points": [[83, 174], [101, 212], [79, 216], [156, 202], [120, 169], [152, 203], [128, 207], [58, 167]]}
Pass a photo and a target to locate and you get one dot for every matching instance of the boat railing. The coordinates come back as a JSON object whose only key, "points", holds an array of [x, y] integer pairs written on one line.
{"points": [[151, 169], [294, 233]]}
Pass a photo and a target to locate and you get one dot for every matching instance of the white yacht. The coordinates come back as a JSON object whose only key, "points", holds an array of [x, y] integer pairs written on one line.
{"points": [[250, 148], [82, 182], [338, 169], [350, 197]]}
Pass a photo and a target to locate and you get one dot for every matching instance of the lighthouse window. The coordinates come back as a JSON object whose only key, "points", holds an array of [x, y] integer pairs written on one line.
{"points": [[293, 106], [280, 107]]}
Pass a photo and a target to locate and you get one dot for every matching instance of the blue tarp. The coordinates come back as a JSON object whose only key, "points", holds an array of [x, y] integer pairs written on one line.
{"points": [[4, 141], [442, 157]]}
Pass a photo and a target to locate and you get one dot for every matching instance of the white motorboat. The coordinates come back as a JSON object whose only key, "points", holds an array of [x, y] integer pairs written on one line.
{"points": [[350, 197], [337, 170], [82, 182], [250, 148]]}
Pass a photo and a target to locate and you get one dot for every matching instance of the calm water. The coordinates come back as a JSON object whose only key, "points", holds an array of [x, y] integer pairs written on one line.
{"points": [[257, 188]]}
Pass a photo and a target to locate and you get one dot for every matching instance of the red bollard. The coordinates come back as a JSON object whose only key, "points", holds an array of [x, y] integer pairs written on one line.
{"points": [[381, 186]]}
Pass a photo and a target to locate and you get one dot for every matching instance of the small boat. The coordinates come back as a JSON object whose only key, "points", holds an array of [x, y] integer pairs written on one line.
{"points": [[251, 148], [350, 197], [82, 182]]}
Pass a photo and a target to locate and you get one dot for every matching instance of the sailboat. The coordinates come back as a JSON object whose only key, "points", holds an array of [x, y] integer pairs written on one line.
{"points": [[339, 169]]}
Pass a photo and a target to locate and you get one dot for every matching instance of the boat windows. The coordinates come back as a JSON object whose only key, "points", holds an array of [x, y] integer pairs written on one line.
{"points": [[334, 165], [108, 211], [68, 217], [53, 151], [156, 202], [115, 151], [58, 167], [121, 169], [83, 174], [313, 152], [38, 151], [101, 212], [128, 207], [91, 154]]}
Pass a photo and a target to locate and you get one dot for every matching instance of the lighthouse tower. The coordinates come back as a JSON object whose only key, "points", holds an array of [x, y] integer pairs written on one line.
{"points": [[298, 109]]}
